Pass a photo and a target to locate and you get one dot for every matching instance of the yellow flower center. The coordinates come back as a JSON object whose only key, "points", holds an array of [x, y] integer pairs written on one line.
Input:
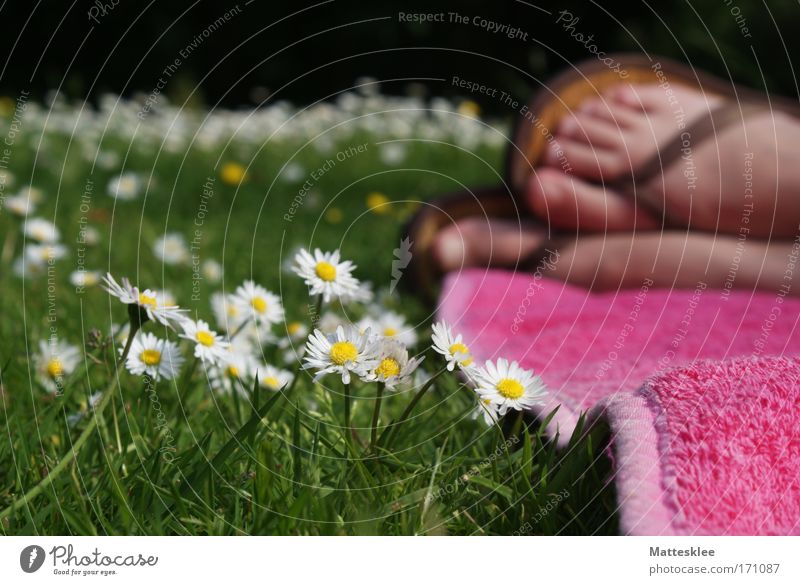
{"points": [[389, 332], [460, 348], [334, 215], [377, 203], [343, 352], [470, 109], [259, 304], [388, 368], [232, 310], [205, 338], [54, 368], [232, 371], [151, 357], [293, 328], [326, 271], [509, 388], [272, 382], [233, 173], [147, 301]]}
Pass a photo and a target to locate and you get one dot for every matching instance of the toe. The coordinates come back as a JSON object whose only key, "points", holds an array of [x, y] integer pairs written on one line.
{"points": [[610, 111], [485, 242], [567, 202], [588, 129], [591, 161], [450, 248], [636, 98]]}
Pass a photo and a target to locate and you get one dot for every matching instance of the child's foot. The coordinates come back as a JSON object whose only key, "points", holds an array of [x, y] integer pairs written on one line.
{"points": [[747, 169], [673, 259]]}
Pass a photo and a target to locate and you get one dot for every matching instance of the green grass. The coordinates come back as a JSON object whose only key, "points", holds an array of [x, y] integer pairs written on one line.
{"points": [[230, 470]]}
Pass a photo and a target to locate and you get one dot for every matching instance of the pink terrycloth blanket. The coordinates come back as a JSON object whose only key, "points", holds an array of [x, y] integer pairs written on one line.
{"points": [[699, 387]]}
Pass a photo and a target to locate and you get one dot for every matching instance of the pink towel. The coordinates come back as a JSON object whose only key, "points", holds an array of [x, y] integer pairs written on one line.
{"points": [[704, 444]]}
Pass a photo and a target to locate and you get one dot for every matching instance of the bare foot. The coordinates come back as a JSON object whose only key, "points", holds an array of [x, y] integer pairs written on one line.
{"points": [[619, 260], [742, 177]]}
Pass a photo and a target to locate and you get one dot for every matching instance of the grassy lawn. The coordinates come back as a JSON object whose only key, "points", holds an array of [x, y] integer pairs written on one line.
{"points": [[175, 456]]}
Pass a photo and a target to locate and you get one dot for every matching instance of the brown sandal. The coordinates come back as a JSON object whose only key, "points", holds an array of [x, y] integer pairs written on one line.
{"points": [[534, 130]]}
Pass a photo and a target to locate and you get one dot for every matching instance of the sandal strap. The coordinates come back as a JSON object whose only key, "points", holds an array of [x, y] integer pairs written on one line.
{"points": [[694, 135]]}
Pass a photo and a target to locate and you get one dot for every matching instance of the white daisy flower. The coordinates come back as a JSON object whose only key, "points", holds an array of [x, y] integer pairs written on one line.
{"points": [[147, 300], [126, 186], [487, 410], [212, 271], [89, 235], [508, 386], [32, 194], [6, 178], [84, 278], [243, 345], [19, 205], [259, 335], [165, 298], [157, 358], [41, 230], [107, 159], [346, 351], [393, 364], [296, 331], [293, 172], [208, 346], [325, 274], [226, 312], [44, 253], [273, 378], [392, 153], [390, 325], [233, 373], [171, 248], [453, 349], [56, 360], [362, 294], [253, 300], [330, 322], [25, 268]]}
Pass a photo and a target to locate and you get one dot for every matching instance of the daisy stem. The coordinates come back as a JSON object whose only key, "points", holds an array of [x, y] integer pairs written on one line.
{"points": [[348, 431], [72, 454], [376, 415], [133, 329], [388, 434], [240, 328], [315, 316], [518, 420]]}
